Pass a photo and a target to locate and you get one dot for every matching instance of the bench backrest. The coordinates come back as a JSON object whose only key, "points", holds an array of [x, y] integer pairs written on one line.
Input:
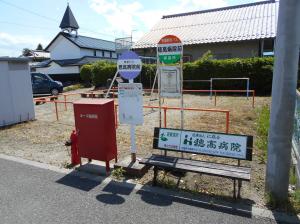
{"points": [[206, 143]]}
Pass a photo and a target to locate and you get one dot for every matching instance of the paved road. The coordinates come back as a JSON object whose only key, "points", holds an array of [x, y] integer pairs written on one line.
{"points": [[33, 195]]}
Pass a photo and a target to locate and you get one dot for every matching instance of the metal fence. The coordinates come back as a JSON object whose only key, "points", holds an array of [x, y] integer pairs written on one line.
{"points": [[296, 139]]}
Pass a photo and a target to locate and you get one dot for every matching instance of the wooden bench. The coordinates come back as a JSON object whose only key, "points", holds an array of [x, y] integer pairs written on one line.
{"points": [[239, 147]]}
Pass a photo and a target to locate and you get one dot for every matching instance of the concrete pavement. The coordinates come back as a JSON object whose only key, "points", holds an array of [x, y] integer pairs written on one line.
{"points": [[33, 195]]}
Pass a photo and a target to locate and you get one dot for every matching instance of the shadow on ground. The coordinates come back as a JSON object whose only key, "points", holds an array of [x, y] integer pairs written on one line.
{"points": [[75, 180], [114, 190]]}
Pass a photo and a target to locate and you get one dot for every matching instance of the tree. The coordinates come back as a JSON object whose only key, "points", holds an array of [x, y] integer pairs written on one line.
{"points": [[26, 52], [40, 47]]}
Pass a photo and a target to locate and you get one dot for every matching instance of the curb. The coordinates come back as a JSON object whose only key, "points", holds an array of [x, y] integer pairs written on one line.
{"points": [[206, 202]]}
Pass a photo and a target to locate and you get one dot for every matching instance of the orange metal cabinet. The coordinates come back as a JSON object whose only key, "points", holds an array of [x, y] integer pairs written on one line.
{"points": [[95, 127]]}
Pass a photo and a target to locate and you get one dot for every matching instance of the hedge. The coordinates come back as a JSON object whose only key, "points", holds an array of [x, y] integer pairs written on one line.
{"points": [[101, 71], [259, 70], [86, 73]]}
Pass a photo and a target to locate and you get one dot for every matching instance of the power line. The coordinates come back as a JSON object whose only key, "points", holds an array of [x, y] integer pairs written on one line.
{"points": [[29, 11], [26, 26], [45, 17]]}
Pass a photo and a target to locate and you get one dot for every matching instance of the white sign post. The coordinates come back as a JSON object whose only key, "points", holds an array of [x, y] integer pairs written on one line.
{"points": [[170, 75], [130, 95], [169, 66]]}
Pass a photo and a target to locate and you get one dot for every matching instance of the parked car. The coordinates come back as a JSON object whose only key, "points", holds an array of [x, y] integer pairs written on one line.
{"points": [[43, 84]]}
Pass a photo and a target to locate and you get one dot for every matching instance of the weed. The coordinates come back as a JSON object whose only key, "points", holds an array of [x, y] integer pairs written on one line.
{"points": [[263, 125], [295, 201], [67, 165], [291, 205], [118, 173], [293, 177]]}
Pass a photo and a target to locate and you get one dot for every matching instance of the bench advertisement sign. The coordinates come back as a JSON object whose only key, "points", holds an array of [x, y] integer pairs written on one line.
{"points": [[208, 143], [169, 49], [130, 103], [170, 81]]}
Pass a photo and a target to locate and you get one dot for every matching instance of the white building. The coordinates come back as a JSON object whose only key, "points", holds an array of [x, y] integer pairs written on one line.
{"points": [[69, 51], [15, 91]]}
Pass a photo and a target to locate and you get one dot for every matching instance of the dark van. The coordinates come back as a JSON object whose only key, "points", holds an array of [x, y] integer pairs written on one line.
{"points": [[43, 84]]}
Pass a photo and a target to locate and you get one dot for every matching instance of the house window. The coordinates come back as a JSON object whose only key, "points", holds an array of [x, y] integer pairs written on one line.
{"points": [[268, 48], [95, 53], [110, 54], [102, 53]]}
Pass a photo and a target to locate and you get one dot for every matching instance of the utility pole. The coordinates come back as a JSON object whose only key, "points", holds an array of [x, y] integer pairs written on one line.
{"points": [[283, 98]]}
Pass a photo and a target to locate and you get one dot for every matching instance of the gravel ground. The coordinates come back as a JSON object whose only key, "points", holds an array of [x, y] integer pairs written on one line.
{"points": [[43, 139]]}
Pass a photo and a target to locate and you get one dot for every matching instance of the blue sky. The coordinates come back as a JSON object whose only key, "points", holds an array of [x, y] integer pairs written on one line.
{"points": [[25, 23]]}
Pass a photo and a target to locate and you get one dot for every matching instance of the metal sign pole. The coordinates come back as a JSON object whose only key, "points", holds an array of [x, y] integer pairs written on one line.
{"points": [[132, 138], [153, 86], [159, 80], [111, 84]]}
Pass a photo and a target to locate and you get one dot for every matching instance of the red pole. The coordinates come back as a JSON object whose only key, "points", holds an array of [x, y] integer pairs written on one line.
{"points": [[227, 122], [65, 98], [253, 98], [165, 116], [56, 111]]}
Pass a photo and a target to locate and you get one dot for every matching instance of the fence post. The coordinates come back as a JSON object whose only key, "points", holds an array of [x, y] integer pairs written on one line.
{"points": [[253, 98], [215, 98], [56, 111], [116, 115], [65, 98], [227, 122], [165, 116]]}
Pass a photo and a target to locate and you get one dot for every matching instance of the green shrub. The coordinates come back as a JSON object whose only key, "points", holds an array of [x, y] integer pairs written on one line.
{"points": [[86, 73], [259, 70], [101, 71]]}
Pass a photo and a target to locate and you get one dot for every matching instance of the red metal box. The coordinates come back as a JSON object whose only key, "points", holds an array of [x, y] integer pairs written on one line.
{"points": [[95, 127]]}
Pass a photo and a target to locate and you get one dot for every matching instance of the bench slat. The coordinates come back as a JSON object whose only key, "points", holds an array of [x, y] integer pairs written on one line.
{"points": [[223, 170], [212, 165]]}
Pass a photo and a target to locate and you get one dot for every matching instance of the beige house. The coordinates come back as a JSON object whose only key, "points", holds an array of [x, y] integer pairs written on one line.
{"points": [[237, 31]]}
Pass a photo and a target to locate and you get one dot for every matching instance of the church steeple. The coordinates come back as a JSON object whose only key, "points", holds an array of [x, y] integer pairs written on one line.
{"points": [[68, 22]]}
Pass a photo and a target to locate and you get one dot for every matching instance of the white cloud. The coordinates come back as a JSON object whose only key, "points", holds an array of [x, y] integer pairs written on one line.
{"points": [[12, 45], [123, 18]]}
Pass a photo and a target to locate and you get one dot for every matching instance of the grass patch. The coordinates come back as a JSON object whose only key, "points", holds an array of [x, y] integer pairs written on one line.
{"points": [[73, 87], [293, 177], [263, 125], [291, 205], [118, 173]]}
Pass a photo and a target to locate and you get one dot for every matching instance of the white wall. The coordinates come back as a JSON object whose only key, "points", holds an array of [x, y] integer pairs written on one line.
{"points": [[15, 93], [62, 48], [6, 106], [57, 69], [86, 52]]}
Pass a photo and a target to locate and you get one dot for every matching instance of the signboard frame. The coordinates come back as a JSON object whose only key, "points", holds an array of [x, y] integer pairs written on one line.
{"points": [[249, 143], [180, 64], [170, 94], [137, 107]]}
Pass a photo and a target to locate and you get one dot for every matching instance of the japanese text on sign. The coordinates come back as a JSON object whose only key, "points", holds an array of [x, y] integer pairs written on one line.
{"points": [[234, 146]]}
